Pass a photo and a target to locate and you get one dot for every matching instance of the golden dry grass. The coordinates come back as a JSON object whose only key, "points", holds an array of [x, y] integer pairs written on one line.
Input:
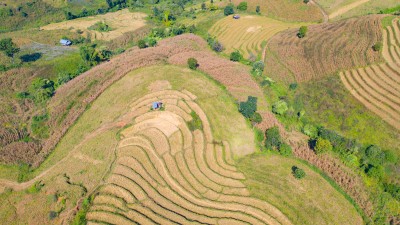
{"points": [[247, 34], [120, 22]]}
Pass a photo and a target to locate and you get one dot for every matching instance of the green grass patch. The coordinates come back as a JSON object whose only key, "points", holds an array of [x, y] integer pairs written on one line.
{"points": [[387, 21], [195, 123], [270, 178]]}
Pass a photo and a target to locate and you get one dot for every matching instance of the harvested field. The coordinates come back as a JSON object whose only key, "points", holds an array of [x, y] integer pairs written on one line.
{"points": [[378, 86], [190, 189], [285, 10], [326, 49], [247, 34], [120, 22]]}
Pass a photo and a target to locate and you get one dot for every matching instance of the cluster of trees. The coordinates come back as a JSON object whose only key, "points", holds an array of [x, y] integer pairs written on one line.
{"points": [[274, 142], [249, 110], [9, 48], [230, 9]]}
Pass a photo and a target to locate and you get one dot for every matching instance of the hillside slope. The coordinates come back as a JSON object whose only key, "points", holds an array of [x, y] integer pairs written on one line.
{"points": [[378, 86], [326, 49]]}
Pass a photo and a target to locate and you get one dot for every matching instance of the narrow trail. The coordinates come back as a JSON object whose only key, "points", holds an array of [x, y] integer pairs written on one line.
{"points": [[347, 8], [324, 14], [4, 183]]}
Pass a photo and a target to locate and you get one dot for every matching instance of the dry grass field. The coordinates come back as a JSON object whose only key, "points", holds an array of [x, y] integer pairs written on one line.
{"points": [[167, 174], [120, 22], [86, 152], [285, 10], [248, 34], [340, 9], [326, 49], [264, 179], [378, 86]]}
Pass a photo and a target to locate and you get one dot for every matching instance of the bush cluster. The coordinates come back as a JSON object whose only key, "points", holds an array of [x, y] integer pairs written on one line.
{"points": [[273, 141]]}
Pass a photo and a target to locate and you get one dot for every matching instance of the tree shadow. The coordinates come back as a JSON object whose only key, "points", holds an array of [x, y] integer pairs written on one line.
{"points": [[31, 57]]}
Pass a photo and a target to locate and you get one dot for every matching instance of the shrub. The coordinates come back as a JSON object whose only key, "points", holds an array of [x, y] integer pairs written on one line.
{"points": [[39, 127], [393, 189], [229, 10], [280, 107], [217, 46], [242, 6], [322, 145], [42, 89], [302, 31], [152, 42], [249, 107], [258, 10], [258, 66], [306, 1], [293, 86], [377, 46], [52, 215], [376, 172], [100, 26], [298, 173], [272, 138], [195, 123], [256, 118], [236, 56], [285, 149], [310, 131], [142, 44], [192, 63], [374, 156]]}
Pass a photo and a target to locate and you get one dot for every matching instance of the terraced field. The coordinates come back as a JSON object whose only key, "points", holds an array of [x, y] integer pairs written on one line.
{"points": [[247, 34], [167, 174], [378, 86], [327, 49]]}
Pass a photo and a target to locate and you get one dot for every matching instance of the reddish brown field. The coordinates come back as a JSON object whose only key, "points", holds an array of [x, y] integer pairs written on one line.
{"points": [[326, 49]]}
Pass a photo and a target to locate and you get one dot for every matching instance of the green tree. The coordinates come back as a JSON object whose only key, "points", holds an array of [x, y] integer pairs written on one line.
{"points": [[377, 46], [302, 31], [258, 67], [42, 89], [242, 6], [285, 149], [376, 172], [89, 54], [280, 107], [249, 107], [322, 145], [272, 138], [236, 56], [142, 44], [9, 48], [192, 63], [310, 131], [258, 9], [229, 10], [298, 173]]}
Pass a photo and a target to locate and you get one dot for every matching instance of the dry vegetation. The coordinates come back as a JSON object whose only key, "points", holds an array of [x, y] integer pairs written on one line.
{"points": [[286, 10], [248, 34], [86, 151], [340, 9], [166, 174], [120, 22], [326, 49], [378, 86]]}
